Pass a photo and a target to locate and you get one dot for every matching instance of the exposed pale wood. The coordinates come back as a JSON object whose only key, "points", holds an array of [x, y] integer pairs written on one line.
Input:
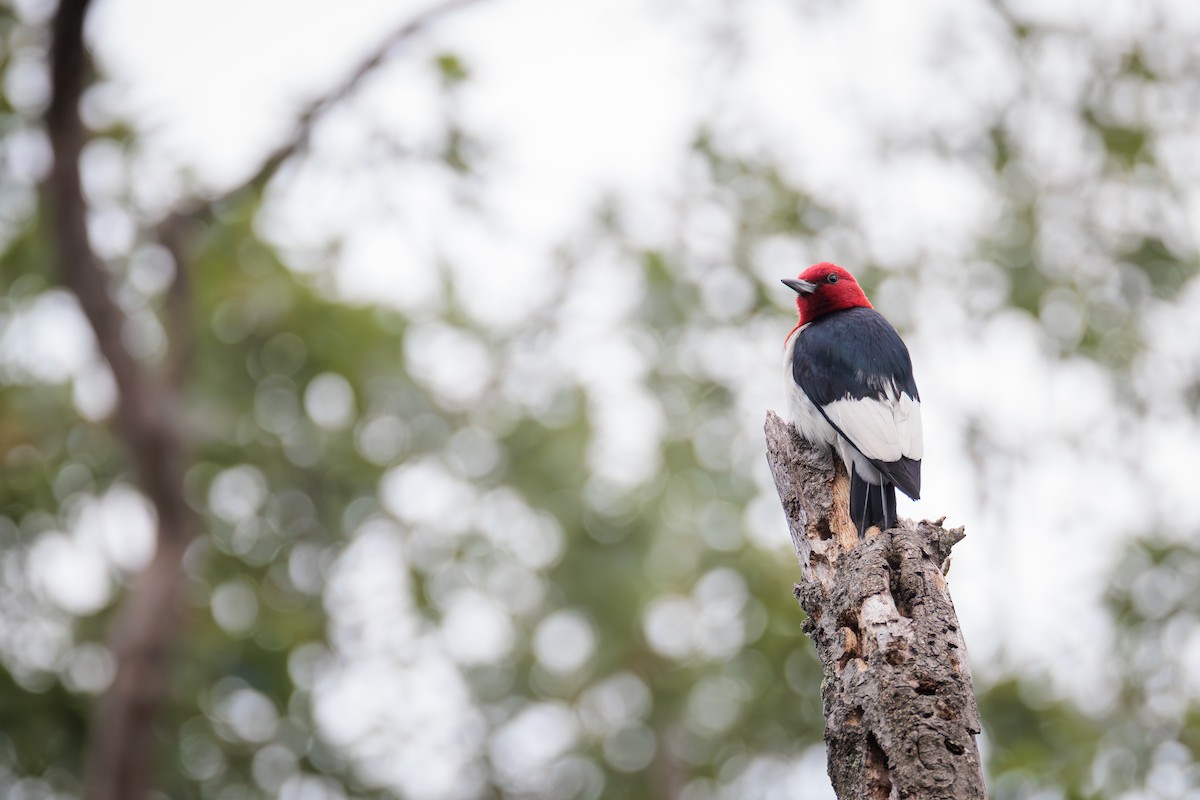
{"points": [[900, 712]]}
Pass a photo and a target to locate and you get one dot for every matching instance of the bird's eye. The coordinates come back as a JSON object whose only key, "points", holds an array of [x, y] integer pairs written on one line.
{"points": [[833, 278]]}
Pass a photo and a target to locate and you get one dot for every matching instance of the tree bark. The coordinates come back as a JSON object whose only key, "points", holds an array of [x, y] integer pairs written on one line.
{"points": [[900, 713]]}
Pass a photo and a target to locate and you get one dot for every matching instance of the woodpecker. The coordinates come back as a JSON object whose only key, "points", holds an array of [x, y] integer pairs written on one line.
{"points": [[850, 385]]}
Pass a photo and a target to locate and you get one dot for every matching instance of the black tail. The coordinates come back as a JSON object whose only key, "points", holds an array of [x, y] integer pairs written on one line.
{"points": [[871, 504]]}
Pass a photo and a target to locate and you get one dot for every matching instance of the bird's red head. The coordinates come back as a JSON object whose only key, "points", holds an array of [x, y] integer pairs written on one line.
{"points": [[824, 288]]}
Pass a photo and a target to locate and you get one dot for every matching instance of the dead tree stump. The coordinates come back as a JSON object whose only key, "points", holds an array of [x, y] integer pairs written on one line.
{"points": [[900, 713]]}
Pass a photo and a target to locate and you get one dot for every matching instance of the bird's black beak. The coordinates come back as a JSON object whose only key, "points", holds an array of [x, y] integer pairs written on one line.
{"points": [[799, 286]]}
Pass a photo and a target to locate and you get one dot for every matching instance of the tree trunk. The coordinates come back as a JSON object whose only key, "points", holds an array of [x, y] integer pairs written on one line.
{"points": [[900, 713], [121, 753], [121, 750]]}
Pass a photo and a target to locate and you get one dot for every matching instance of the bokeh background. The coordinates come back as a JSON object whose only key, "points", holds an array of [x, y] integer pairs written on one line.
{"points": [[480, 368]]}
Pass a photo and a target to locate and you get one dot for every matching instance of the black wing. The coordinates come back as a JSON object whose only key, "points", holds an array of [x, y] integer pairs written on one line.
{"points": [[857, 355]]}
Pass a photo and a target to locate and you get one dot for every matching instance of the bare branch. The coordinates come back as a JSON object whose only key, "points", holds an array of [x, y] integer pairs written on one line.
{"points": [[317, 109], [175, 230], [173, 234], [900, 712]]}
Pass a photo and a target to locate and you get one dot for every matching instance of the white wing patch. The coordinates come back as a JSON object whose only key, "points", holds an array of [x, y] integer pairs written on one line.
{"points": [[882, 429]]}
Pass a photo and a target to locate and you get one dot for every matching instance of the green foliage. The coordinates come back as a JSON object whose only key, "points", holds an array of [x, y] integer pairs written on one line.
{"points": [[1042, 743], [452, 68]]}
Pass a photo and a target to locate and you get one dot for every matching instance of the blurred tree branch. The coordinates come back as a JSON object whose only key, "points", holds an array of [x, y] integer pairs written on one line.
{"points": [[121, 738], [313, 113], [900, 712], [174, 235], [121, 754]]}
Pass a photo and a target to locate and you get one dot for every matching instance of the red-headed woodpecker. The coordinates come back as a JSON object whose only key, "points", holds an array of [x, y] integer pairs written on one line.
{"points": [[850, 385]]}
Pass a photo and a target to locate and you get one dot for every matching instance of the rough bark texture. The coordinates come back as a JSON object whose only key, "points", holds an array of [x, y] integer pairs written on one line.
{"points": [[900, 713]]}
